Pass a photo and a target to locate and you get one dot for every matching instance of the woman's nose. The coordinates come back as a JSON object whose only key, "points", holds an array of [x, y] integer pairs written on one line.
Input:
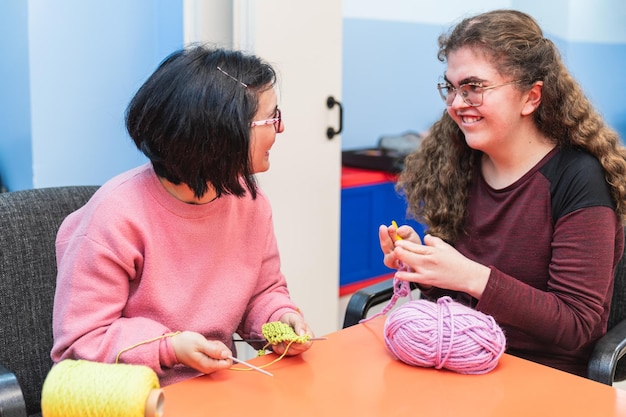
{"points": [[458, 101]]}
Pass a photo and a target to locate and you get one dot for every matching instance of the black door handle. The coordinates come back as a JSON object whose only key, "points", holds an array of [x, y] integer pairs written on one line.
{"points": [[330, 103]]}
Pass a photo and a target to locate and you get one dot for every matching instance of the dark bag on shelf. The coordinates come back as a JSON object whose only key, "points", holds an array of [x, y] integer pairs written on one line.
{"points": [[387, 156]]}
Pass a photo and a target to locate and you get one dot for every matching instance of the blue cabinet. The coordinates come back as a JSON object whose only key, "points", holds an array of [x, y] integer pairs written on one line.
{"points": [[368, 199]]}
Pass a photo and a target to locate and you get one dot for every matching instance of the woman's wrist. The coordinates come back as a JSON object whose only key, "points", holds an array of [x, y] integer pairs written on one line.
{"points": [[478, 282]]}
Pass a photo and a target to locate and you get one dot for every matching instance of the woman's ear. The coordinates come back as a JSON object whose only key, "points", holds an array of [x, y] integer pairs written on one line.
{"points": [[533, 98]]}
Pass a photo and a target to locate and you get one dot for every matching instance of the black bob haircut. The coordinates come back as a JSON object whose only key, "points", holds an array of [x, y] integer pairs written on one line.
{"points": [[192, 120]]}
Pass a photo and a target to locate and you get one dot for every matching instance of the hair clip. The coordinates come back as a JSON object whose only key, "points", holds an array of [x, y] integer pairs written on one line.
{"points": [[231, 77]]}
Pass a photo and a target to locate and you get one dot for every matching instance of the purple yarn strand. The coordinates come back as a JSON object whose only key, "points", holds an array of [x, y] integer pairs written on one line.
{"points": [[400, 289]]}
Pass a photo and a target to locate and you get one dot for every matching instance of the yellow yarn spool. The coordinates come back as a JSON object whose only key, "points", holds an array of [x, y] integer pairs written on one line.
{"points": [[80, 388]]}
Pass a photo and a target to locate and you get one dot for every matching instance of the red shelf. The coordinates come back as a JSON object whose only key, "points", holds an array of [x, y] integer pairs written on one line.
{"points": [[355, 177]]}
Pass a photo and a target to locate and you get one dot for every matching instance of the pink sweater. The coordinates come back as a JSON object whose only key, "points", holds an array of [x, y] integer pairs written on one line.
{"points": [[135, 264]]}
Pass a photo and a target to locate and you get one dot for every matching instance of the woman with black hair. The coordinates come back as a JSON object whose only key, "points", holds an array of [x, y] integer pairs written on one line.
{"points": [[167, 261]]}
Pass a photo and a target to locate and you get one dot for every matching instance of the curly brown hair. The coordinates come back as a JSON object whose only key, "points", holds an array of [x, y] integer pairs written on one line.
{"points": [[436, 177]]}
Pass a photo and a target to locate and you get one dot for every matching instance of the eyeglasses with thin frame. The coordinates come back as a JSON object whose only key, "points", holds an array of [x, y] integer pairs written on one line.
{"points": [[276, 121], [471, 93]]}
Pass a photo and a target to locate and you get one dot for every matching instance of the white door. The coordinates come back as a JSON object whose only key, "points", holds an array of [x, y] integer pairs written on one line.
{"points": [[302, 40]]}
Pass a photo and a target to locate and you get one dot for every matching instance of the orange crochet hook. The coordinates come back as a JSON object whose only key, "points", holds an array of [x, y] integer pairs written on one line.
{"points": [[394, 224]]}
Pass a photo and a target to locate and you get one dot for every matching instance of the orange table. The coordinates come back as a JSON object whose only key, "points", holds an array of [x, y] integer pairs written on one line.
{"points": [[352, 375]]}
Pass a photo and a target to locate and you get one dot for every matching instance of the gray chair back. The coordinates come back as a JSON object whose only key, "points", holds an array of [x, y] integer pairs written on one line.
{"points": [[29, 220]]}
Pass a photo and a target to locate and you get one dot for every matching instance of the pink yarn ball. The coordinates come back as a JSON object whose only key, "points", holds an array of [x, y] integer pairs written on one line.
{"points": [[445, 334]]}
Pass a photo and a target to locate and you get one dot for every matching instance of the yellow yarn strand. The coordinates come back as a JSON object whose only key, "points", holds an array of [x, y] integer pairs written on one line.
{"points": [[276, 332], [261, 353], [117, 358], [80, 388]]}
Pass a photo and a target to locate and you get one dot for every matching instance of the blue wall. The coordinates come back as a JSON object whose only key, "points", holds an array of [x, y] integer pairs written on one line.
{"points": [[69, 68], [600, 69], [78, 64], [390, 66], [15, 132], [390, 74]]}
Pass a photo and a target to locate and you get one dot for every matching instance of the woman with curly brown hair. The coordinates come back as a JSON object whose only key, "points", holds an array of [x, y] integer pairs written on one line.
{"points": [[522, 187]]}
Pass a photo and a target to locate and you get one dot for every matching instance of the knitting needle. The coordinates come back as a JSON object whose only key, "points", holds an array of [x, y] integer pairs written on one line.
{"points": [[256, 368], [264, 341]]}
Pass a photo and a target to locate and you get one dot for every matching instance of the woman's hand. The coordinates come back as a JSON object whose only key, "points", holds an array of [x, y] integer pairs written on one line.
{"points": [[297, 323], [195, 351], [438, 264], [388, 236]]}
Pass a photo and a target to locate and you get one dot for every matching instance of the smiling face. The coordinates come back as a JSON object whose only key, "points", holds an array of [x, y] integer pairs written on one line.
{"points": [[263, 137], [497, 120]]}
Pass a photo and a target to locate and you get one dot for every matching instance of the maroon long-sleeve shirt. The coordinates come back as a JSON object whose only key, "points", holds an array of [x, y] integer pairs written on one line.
{"points": [[552, 240]]}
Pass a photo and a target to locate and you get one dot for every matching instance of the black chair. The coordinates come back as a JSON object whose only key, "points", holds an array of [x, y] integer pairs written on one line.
{"points": [[604, 366], [29, 220]]}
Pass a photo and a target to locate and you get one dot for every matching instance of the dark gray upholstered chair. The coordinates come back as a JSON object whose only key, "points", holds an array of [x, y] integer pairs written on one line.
{"points": [[29, 220], [604, 366]]}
